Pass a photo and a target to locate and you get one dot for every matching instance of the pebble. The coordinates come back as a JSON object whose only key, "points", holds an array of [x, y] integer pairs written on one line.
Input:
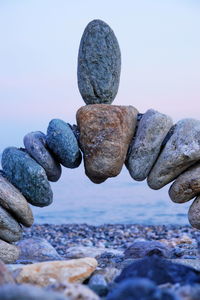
{"points": [[180, 152], [146, 145], [105, 134], [28, 176], [36, 146], [194, 213], [36, 250], [5, 275], [8, 253], [14, 202], [98, 284], [81, 251], [63, 143], [11, 231], [99, 64]]}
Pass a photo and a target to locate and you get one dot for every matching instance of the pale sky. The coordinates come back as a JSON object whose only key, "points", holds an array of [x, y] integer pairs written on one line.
{"points": [[39, 43]]}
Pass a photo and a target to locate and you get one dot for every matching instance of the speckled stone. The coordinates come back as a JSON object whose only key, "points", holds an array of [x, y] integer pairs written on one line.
{"points": [[10, 231], [28, 176], [14, 202], [36, 146], [63, 143], [105, 134], [180, 152], [8, 253], [194, 213], [99, 64], [146, 145]]}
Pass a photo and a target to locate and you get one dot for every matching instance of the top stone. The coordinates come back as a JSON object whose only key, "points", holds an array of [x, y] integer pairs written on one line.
{"points": [[99, 64]]}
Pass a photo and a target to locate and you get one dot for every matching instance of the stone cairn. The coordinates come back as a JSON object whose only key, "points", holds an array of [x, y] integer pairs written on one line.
{"points": [[108, 136]]}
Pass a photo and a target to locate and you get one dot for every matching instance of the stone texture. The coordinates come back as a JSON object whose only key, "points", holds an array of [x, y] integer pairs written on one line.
{"points": [[45, 273], [180, 152], [28, 176], [63, 143], [14, 202], [99, 64], [194, 213], [36, 146], [36, 250], [105, 134], [98, 284], [147, 248], [146, 145], [28, 292], [186, 186], [5, 275], [81, 251], [10, 230], [8, 253]]}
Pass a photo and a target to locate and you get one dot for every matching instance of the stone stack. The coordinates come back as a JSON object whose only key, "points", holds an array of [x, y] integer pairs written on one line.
{"points": [[108, 136]]}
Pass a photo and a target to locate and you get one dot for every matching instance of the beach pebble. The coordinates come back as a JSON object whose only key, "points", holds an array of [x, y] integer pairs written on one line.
{"points": [[8, 253], [51, 272], [105, 134], [81, 251], [194, 213], [180, 152], [99, 64], [14, 202], [28, 176], [186, 186], [63, 143], [147, 248], [36, 146], [28, 292], [5, 274], [11, 230], [36, 250], [98, 284], [146, 145]]}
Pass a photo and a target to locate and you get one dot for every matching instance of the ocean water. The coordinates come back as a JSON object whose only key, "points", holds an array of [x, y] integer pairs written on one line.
{"points": [[118, 200]]}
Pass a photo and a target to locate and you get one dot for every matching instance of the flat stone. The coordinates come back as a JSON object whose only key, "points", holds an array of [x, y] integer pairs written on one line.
{"points": [[36, 250], [186, 186], [99, 64], [194, 213], [28, 292], [143, 152], [105, 134], [63, 143], [46, 273], [8, 253], [36, 146], [180, 152], [14, 202], [10, 231], [5, 275], [28, 176], [81, 251]]}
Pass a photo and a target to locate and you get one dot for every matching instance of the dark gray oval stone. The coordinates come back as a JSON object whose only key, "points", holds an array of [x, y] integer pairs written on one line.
{"points": [[62, 142], [99, 64], [36, 146], [27, 175]]}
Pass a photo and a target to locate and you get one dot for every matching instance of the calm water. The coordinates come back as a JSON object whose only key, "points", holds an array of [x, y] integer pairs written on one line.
{"points": [[118, 200]]}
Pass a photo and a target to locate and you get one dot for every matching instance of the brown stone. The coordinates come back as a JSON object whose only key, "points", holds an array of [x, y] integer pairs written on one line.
{"points": [[105, 134], [5, 275], [194, 213], [46, 273], [8, 253]]}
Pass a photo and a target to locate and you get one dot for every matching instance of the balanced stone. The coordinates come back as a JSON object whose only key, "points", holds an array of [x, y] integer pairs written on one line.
{"points": [[146, 145], [186, 186], [194, 213], [10, 231], [105, 134], [63, 143], [8, 253], [36, 146], [27, 175], [99, 64], [180, 152], [14, 202]]}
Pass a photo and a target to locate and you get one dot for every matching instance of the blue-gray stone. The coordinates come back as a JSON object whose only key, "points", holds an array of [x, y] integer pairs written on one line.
{"points": [[36, 146], [27, 175], [98, 284], [63, 143], [99, 64], [10, 230]]}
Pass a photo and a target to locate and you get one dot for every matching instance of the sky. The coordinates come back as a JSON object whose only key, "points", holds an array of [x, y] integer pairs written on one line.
{"points": [[39, 43]]}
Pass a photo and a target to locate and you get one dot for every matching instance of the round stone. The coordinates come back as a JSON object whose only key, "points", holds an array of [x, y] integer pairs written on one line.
{"points": [[194, 213], [14, 202], [36, 146], [63, 143], [8, 253], [27, 175], [99, 64]]}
